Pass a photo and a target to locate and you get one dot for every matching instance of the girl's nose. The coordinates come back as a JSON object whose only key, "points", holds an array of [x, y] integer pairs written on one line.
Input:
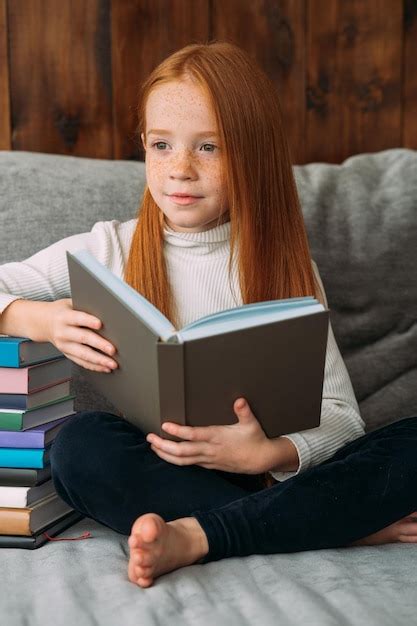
{"points": [[182, 165]]}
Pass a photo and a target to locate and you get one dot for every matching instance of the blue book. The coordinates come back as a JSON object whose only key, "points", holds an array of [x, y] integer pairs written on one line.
{"points": [[24, 457], [21, 351]]}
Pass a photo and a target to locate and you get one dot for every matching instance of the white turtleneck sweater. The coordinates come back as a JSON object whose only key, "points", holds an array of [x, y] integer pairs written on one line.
{"points": [[198, 272]]}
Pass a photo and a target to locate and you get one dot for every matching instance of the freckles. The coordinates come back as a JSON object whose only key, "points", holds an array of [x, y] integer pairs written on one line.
{"points": [[155, 169], [180, 102], [183, 114], [214, 172]]}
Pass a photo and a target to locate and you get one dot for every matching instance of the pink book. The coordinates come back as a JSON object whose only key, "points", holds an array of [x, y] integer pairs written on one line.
{"points": [[34, 377]]}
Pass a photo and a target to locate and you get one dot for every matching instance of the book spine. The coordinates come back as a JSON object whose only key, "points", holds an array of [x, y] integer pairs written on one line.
{"points": [[14, 380], [39, 538], [171, 385], [28, 543], [9, 354], [14, 497], [24, 477], [33, 437], [14, 401], [15, 521], [21, 439], [34, 400], [11, 421], [21, 457]]}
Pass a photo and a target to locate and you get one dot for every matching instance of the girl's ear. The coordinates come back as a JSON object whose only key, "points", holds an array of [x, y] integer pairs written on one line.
{"points": [[142, 136]]}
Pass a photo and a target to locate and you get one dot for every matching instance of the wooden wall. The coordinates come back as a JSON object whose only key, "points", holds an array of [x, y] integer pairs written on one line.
{"points": [[70, 70]]}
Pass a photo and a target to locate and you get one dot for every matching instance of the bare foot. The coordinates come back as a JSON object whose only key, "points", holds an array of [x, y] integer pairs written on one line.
{"points": [[404, 530], [157, 547]]}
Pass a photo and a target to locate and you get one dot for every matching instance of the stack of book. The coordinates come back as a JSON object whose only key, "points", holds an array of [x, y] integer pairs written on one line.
{"points": [[35, 402]]}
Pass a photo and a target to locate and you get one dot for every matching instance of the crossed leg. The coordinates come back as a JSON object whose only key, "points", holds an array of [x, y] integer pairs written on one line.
{"points": [[365, 494], [362, 485], [158, 547]]}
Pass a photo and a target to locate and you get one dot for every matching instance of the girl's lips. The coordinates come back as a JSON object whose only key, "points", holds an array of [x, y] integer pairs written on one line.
{"points": [[184, 199]]}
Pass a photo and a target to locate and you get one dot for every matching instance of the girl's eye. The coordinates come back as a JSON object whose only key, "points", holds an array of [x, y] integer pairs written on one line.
{"points": [[158, 143]]}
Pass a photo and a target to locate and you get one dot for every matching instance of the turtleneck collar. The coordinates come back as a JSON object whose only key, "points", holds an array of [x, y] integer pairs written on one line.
{"points": [[217, 235]]}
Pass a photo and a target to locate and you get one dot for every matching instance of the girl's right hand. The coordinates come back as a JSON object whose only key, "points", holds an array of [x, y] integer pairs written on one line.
{"points": [[69, 330]]}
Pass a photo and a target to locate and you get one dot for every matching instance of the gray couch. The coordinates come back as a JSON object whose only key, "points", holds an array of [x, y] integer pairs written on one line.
{"points": [[362, 222]]}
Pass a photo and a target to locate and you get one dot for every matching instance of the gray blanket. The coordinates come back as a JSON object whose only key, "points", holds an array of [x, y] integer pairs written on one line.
{"points": [[85, 583], [362, 222]]}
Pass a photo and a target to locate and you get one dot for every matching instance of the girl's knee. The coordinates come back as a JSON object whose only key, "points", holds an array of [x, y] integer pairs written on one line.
{"points": [[81, 434], [405, 428], [410, 422], [402, 438]]}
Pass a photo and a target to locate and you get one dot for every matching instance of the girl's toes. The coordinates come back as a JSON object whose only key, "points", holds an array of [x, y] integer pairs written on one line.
{"points": [[143, 559], [133, 542], [143, 572], [408, 539], [144, 582]]}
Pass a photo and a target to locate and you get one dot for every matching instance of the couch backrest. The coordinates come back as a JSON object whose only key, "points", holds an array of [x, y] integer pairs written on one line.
{"points": [[361, 218]]}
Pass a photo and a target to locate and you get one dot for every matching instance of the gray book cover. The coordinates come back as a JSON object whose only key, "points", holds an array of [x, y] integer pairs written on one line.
{"points": [[278, 367]]}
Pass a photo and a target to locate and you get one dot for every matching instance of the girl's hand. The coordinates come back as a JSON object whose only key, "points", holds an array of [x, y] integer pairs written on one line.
{"points": [[238, 448], [70, 332]]}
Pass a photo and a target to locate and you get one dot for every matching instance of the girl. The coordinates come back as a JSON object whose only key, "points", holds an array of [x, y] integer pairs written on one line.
{"points": [[219, 225]]}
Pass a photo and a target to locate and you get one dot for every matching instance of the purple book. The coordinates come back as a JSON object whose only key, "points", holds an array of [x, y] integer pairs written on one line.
{"points": [[36, 437]]}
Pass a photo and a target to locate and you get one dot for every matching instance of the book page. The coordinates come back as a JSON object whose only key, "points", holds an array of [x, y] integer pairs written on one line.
{"points": [[252, 310], [236, 323]]}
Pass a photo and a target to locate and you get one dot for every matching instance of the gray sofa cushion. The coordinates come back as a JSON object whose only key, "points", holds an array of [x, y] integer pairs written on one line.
{"points": [[362, 223], [361, 218], [46, 197]]}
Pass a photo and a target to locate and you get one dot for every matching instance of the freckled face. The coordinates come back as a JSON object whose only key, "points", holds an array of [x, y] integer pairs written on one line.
{"points": [[185, 157]]}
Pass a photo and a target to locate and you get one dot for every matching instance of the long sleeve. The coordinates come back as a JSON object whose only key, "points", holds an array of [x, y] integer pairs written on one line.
{"points": [[340, 418], [197, 266], [44, 275]]}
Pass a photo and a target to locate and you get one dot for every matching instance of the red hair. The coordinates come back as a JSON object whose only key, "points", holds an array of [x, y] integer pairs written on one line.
{"points": [[267, 231]]}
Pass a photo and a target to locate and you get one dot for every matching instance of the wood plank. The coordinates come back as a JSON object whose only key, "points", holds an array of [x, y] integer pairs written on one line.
{"points": [[144, 32], [5, 132], [276, 42], [354, 51], [60, 76], [410, 75]]}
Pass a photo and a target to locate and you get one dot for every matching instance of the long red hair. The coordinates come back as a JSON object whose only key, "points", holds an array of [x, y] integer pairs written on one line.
{"points": [[273, 255]]}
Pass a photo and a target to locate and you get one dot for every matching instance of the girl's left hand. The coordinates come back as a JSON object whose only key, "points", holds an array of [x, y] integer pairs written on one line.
{"points": [[238, 448]]}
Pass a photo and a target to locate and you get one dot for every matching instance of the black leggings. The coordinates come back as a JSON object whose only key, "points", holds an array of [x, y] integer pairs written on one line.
{"points": [[103, 467]]}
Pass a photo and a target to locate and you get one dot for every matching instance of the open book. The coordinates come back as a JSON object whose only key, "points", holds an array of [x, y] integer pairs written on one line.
{"points": [[272, 353]]}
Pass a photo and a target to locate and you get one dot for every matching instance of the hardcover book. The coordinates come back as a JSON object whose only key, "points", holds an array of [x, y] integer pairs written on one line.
{"points": [[40, 537], [24, 477], [24, 457], [22, 497], [35, 399], [31, 519], [34, 377], [21, 351], [37, 437], [272, 353], [19, 419]]}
